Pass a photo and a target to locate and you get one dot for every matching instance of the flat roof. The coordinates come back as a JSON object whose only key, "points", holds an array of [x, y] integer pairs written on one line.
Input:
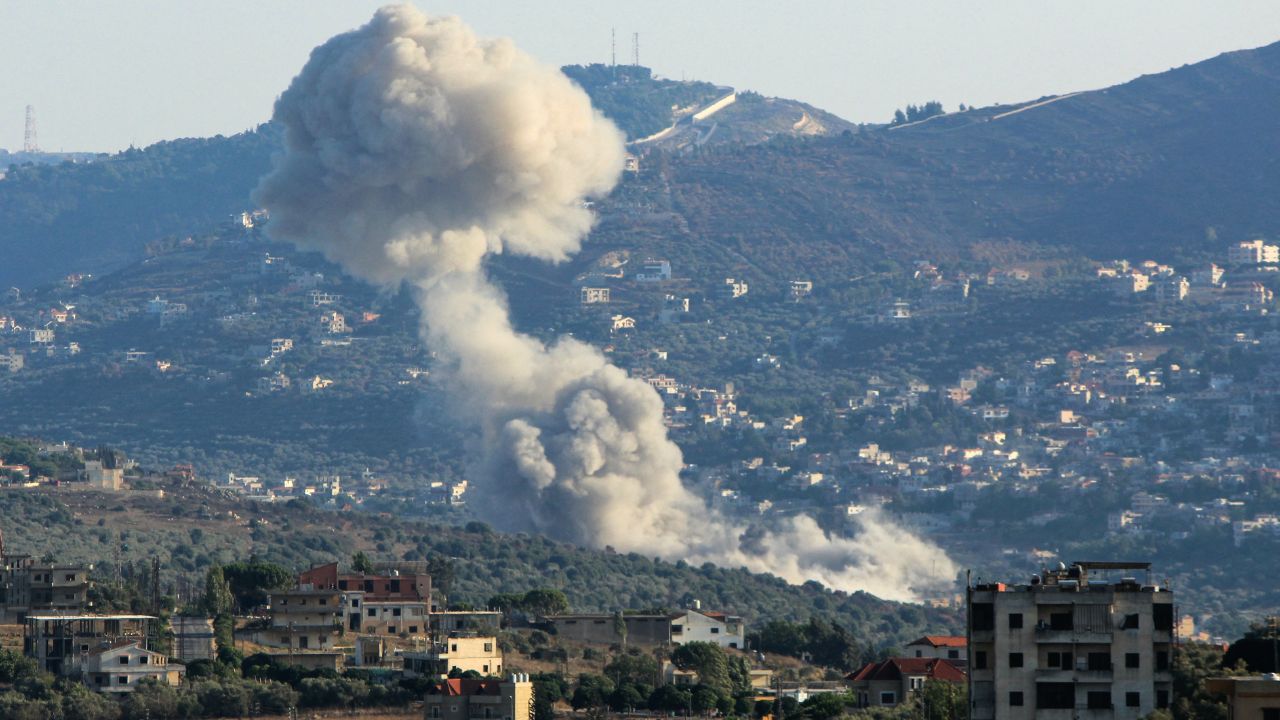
{"points": [[92, 617]]}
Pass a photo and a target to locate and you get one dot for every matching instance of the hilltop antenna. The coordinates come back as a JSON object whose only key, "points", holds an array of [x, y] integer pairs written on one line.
{"points": [[29, 143], [635, 49], [613, 47]]}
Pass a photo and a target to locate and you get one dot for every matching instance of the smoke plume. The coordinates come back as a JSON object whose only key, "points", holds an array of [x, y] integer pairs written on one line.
{"points": [[415, 149]]}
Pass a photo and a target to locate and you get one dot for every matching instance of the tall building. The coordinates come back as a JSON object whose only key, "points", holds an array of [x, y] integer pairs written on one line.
{"points": [[1070, 639]]}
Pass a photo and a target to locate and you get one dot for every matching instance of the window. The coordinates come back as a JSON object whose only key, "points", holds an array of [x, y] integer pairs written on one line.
{"points": [[888, 698], [453, 647], [486, 668], [1060, 660], [368, 586], [1162, 660], [372, 612], [71, 577], [1055, 696], [1131, 660], [1099, 661], [1162, 617], [303, 642], [1015, 660], [355, 602], [324, 601], [124, 659], [1015, 698], [342, 584], [980, 660], [715, 631], [144, 660], [1130, 622], [435, 711], [677, 629], [1098, 700], [488, 647], [413, 628], [1132, 699], [395, 612], [1162, 699], [953, 654], [122, 679], [1015, 621], [1061, 621], [919, 654], [1270, 713], [395, 586], [984, 616]]}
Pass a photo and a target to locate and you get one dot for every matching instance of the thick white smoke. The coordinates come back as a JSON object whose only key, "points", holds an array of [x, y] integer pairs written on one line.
{"points": [[415, 149]]}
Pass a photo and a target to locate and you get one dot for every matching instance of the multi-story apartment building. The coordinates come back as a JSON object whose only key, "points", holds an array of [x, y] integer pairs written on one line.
{"points": [[394, 604], [478, 653], [304, 619], [28, 586], [1070, 644], [63, 644]]}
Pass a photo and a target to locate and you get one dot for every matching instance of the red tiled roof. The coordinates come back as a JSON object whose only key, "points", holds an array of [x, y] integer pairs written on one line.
{"points": [[469, 686], [942, 641], [895, 668]]}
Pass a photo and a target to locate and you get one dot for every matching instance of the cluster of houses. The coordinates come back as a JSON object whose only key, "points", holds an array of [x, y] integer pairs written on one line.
{"points": [[1243, 286]]}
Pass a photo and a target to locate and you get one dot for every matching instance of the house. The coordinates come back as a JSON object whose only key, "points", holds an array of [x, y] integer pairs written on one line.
{"points": [[652, 270], [480, 699], [622, 322], [98, 475], [318, 298], [734, 288], [12, 361], [593, 295], [945, 647], [1253, 252], [475, 653], [891, 682], [61, 644], [333, 322], [714, 627], [801, 289], [278, 382], [1254, 697], [119, 666], [604, 628], [27, 586], [394, 604]]}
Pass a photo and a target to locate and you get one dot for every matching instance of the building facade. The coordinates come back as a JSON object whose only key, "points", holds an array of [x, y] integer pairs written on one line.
{"points": [[489, 699], [1069, 644]]}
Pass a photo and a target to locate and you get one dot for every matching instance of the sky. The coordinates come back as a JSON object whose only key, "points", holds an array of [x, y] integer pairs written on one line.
{"points": [[105, 76]]}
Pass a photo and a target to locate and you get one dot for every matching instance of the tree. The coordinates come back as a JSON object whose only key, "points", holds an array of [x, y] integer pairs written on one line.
{"points": [[545, 601], [217, 592], [361, 563], [251, 582], [592, 691], [939, 700]]}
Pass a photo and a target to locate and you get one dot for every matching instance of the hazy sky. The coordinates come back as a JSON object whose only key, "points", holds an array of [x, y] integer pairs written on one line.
{"points": [[104, 75]]}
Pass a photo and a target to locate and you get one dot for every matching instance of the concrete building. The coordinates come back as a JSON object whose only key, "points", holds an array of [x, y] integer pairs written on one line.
{"points": [[603, 628], [304, 619], [1070, 644], [193, 638], [398, 603], [1253, 252], [479, 653], [28, 587], [1255, 697], [98, 475], [593, 295], [891, 683], [458, 699], [694, 626], [65, 645]]}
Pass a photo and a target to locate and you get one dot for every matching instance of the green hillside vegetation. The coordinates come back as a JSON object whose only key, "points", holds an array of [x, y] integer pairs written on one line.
{"points": [[192, 529]]}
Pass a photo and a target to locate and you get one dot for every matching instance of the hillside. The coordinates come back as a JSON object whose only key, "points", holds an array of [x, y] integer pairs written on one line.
{"points": [[92, 526], [1167, 165]]}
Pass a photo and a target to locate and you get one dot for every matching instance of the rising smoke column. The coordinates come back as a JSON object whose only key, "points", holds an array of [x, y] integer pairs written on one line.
{"points": [[413, 150]]}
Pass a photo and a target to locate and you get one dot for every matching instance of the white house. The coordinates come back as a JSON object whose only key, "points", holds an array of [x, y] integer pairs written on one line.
{"points": [[713, 627], [120, 666]]}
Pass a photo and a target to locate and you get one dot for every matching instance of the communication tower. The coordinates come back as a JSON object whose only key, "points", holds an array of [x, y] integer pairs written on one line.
{"points": [[29, 142], [635, 49]]}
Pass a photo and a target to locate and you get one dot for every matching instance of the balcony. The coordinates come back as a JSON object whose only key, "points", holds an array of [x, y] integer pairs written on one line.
{"points": [[1078, 676], [1073, 637]]}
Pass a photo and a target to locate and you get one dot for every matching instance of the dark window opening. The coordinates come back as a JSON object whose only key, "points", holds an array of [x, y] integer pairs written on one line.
{"points": [[1130, 622], [1099, 661], [1131, 660], [1061, 621], [980, 660], [1162, 660], [1015, 621], [1015, 660], [1132, 699], [1162, 699], [1015, 698], [1162, 617], [1055, 696], [1098, 700], [984, 616]]}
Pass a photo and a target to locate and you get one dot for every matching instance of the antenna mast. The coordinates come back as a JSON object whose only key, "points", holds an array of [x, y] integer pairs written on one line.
{"points": [[29, 143], [613, 47], [635, 49]]}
